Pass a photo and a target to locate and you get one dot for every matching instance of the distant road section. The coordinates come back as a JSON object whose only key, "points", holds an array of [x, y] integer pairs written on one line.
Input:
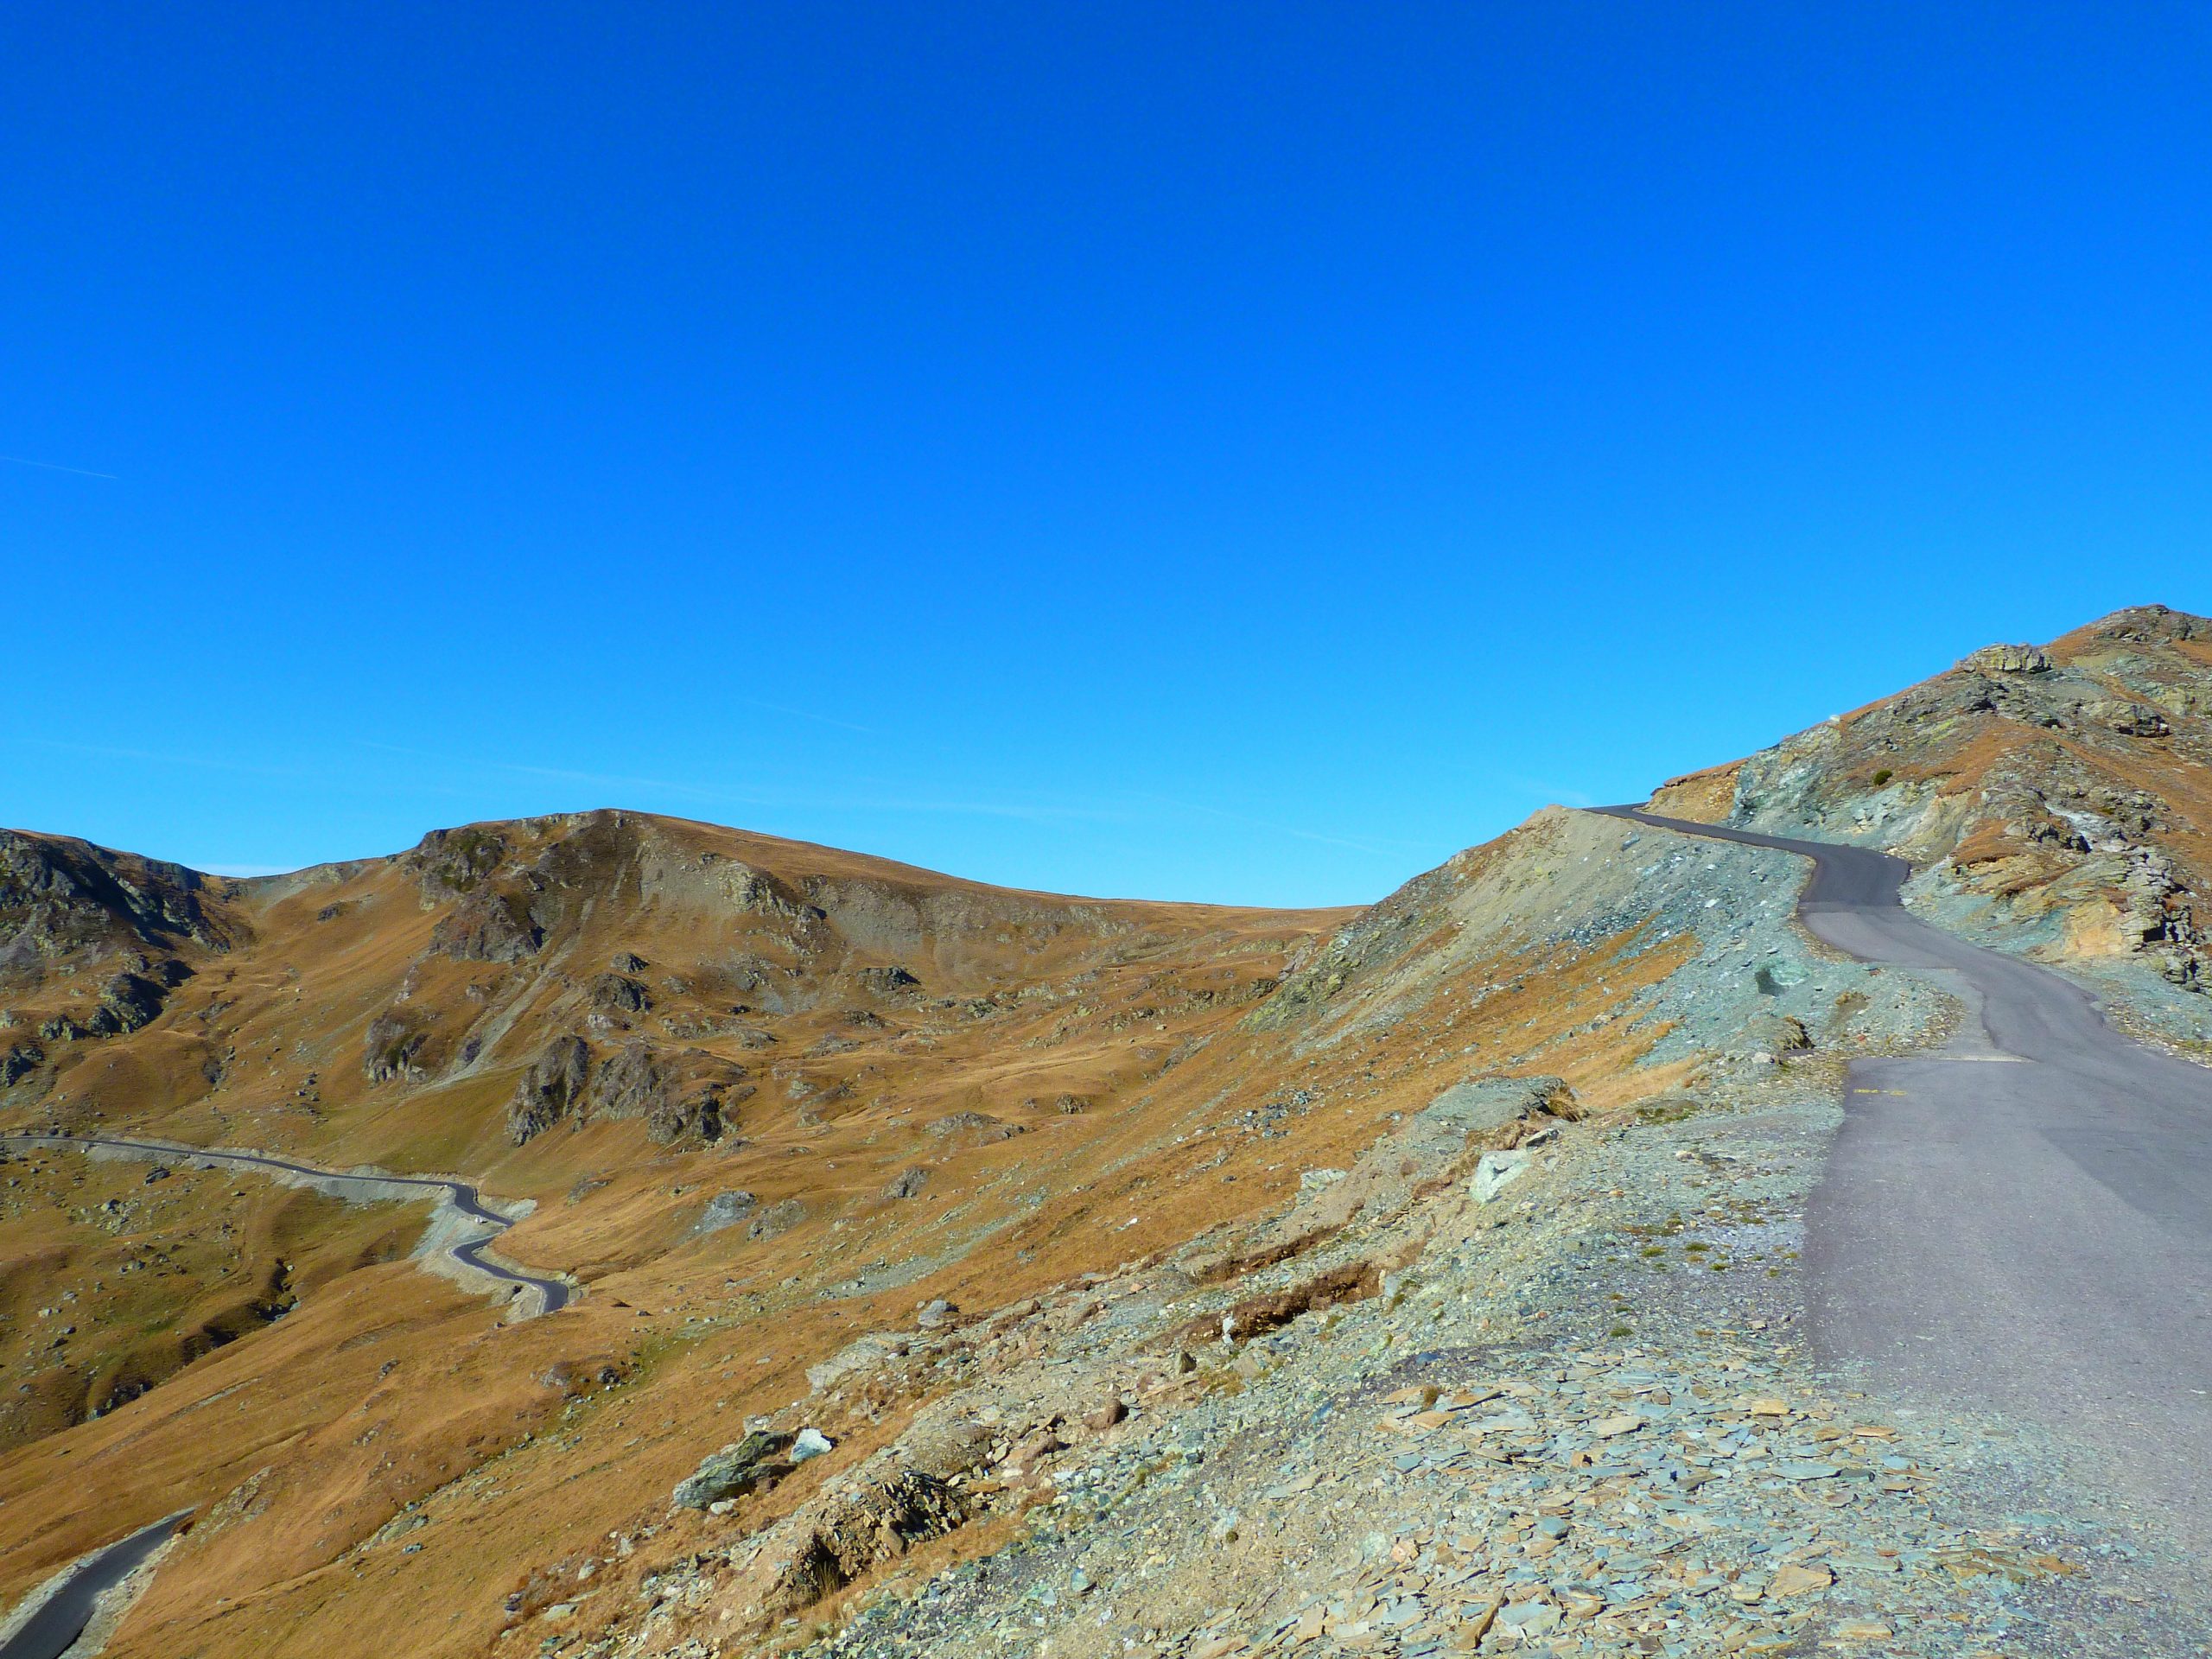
{"points": [[2035, 1236], [57, 1623], [54, 1629], [462, 1202]]}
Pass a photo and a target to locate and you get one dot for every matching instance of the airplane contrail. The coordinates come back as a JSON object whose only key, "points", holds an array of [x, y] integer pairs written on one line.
{"points": [[56, 467]]}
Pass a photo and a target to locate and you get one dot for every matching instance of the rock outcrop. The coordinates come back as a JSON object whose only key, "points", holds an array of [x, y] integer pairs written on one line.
{"points": [[550, 1090]]}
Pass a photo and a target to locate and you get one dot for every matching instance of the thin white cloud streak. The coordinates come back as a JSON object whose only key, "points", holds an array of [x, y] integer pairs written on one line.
{"points": [[155, 757], [808, 714], [1133, 811], [786, 800], [56, 467]]}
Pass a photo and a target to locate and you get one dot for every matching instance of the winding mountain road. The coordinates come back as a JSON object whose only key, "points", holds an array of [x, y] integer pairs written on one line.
{"points": [[56, 1625], [461, 1199], [61, 1618], [2033, 1237]]}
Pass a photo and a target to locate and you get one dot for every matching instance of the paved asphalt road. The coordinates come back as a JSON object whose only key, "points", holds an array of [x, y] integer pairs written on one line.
{"points": [[459, 1194], [2022, 1219], [50, 1632]]}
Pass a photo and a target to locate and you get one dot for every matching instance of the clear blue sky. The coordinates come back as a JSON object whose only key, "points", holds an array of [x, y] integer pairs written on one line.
{"points": [[1220, 451]]}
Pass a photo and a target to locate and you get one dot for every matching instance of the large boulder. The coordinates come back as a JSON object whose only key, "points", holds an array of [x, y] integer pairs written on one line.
{"points": [[2008, 659], [737, 1467], [488, 927]]}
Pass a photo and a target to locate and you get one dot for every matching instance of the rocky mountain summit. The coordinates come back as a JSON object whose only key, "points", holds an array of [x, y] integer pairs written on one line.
{"points": [[953, 1270]]}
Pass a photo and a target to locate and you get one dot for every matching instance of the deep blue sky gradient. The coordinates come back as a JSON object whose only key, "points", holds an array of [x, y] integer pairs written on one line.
{"points": [[1242, 453]]}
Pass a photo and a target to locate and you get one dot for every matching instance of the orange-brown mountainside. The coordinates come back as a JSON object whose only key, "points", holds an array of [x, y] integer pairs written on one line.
{"points": [[2055, 799], [499, 983], [766, 1099]]}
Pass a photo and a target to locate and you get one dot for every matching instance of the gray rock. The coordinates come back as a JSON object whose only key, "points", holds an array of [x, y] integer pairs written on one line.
{"points": [[777, 1219], [2008, 659], [549, 1090], [724, 1209], [1484, 1105], [906, 1184], [734, 1469], [862, 1355]]}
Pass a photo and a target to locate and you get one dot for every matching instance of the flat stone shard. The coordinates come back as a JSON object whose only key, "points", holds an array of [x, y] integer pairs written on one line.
{"points": [[1486, 1105], [1497, 1171]]}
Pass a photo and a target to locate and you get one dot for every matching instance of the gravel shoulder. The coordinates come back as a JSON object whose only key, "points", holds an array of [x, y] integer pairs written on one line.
{"points": [[2021, 1220]]}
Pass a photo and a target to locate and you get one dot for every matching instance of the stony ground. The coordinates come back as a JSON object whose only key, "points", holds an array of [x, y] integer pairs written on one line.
{"points": [[1577, 1419], [1523, 1377]]}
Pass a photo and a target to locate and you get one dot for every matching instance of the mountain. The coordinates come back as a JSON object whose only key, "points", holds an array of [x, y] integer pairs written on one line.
{"points": [[950, 1267]]}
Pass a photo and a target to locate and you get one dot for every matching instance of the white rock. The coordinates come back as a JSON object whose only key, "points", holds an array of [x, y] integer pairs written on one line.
{"points": [[1496, 1172]]}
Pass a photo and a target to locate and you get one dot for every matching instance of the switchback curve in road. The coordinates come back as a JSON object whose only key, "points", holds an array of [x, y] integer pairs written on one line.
{"points": [[537, 1294], [2033, 1237]]}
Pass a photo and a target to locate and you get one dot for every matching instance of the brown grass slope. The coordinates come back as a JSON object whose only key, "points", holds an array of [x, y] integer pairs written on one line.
{"points": [[892, 1085]]}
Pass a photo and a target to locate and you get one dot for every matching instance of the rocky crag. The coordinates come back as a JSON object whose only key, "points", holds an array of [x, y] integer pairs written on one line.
{"points": [[2055, 800]]}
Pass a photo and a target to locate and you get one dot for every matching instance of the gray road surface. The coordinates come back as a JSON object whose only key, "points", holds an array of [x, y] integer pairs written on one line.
{"points": [[2022, 1220], [51, 1630]]}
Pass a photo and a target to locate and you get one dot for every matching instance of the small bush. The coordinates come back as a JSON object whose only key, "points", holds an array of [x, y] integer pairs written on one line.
{"points": [[1882, 777]]}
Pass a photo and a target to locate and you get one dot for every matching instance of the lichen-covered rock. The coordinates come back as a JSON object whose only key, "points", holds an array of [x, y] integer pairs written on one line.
{"points": [[629, 1084], [2127, 717], [19, 1060], [488, 927], [392, 1047], [2008, 659], [128, 1002], [737, 1467], [906, 1184], [448, 862], [613, 995], [550, 1090], [59, 895]]}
